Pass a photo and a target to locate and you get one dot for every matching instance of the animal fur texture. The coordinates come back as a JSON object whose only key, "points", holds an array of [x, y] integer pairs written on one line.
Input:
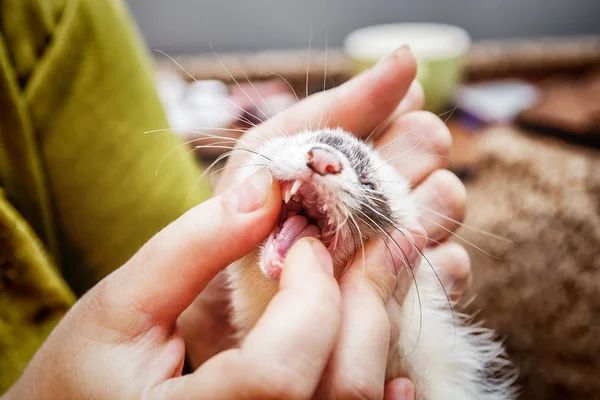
{"points": [[445, 355]]}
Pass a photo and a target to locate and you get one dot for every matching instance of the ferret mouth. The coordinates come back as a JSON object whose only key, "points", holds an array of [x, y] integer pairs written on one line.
{"points": [[304, 213]]}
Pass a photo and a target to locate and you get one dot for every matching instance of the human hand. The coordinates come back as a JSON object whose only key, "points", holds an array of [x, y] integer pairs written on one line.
{"points": [[121, 339], [383, 103]]}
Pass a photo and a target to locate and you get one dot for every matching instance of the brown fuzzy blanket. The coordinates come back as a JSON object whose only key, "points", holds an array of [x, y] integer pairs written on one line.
{"points": [[543, 293]]}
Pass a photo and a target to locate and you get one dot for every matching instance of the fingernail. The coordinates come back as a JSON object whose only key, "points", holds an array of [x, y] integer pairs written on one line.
{"points": [[323, 256], [401, 51], [251, 194], [405, 47], [400, 389], [409, 391]]}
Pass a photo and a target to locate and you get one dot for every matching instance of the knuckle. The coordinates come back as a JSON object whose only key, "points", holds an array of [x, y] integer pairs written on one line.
{"points": [[462, 260], [453, 191], [278, 382], [384, 286], [439, 137], [263, 380], [106, 309], [460, 276], [359, 386]]}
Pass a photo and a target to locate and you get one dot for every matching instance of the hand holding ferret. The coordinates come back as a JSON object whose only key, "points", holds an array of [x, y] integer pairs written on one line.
{"points": [[128, 337], [382, 103], [121, 339]]}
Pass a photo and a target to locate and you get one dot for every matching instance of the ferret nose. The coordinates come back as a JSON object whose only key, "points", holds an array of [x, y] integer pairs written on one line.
{"points": [[324, 161]]}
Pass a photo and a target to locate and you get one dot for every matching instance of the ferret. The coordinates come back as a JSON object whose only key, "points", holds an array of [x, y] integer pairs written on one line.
{"points": [[333, 187]]}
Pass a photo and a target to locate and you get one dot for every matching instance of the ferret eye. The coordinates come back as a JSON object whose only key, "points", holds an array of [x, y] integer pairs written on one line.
{"points": [[368, 186]]}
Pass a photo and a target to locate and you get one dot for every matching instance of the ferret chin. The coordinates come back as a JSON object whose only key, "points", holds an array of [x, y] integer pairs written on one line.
{"points": [[334, 185]]}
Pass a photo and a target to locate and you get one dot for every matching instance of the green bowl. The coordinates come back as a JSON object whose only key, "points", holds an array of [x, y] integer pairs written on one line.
{"points": [[439, 50]]}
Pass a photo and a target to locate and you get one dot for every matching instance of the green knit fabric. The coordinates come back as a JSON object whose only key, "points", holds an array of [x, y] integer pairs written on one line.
{"points": [[33, 297], [78, 171]]}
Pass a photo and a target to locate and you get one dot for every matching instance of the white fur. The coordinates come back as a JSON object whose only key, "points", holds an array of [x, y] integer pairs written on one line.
{"points": [[446, 357]]}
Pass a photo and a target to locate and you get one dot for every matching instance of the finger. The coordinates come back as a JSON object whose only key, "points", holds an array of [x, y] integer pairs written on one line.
{"points": [[453, 264], [173, 267], [308, 302], [441, 199], [416, 144], [413, 101], [357, 365], [400, 389], [284, 355], [359, 105]]}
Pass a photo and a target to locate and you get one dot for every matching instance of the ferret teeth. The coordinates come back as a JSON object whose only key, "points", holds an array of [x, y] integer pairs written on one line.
{"points": [[287, 195], [324, 208], [296, 186], [330, 221]]}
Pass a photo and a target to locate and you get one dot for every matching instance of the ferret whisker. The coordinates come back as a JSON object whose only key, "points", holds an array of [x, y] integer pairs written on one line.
{"points": [[224, 140], [461, 238], [204, 174], [208, 136], [362, 247], [360, 239], [238, 85], [465, 226], [218, 160], [308, 71], [216, 94], [382, 125], [324, 82], [352, 227], [337, 222], [344, 223], [378, 149], [237, 166], [211, 166], [393, 225], [286, 81], [283, 133], [407, 151], [420, 156], [346, 213], [197, 130], [428, 238], [451, 113], [396, 271], [208, 146], [245, 120], [215, 162], [409, 268]]}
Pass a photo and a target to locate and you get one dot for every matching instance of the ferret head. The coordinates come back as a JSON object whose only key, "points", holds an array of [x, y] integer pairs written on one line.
{"points": [[335, 188]]}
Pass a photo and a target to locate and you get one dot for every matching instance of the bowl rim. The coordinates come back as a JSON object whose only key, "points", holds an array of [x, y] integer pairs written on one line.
{"points": [[358, 43]]}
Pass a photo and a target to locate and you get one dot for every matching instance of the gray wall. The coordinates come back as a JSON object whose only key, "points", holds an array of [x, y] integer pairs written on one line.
{"points": [[186, 26]]}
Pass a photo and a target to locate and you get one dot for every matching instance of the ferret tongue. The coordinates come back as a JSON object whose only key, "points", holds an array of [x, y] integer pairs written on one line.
{"points": [[278, 245], [294, 229]]}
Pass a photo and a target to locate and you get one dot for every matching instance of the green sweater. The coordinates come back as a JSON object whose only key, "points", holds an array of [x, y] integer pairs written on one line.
{"points": [[79, 190]]}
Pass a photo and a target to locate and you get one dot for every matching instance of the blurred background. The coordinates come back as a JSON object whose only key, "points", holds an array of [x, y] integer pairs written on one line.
{"points": [[188, 26]]}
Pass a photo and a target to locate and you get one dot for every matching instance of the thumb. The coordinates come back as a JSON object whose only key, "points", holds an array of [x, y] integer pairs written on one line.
{"points": [[173, 267], [359, 105]]}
